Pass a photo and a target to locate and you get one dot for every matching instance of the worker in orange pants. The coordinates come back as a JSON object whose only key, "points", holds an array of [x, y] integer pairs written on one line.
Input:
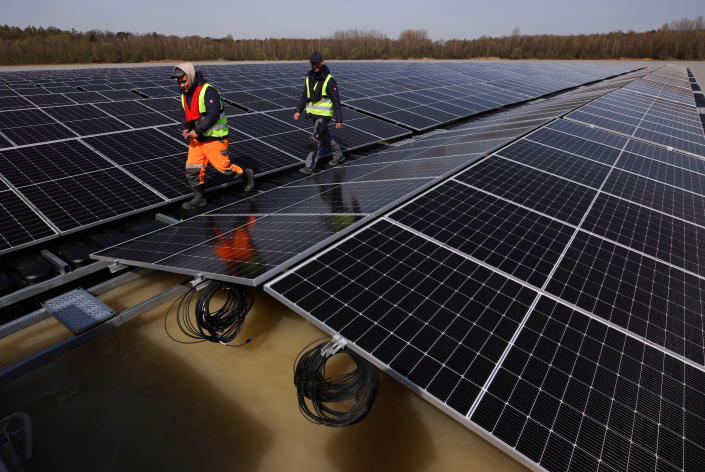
{"points": [[206, 128]]}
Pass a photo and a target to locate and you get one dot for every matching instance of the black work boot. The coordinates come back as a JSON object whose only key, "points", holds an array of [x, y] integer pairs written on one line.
{"points": [[338, 156], [337, 159], [249, 180], [197, 201]]}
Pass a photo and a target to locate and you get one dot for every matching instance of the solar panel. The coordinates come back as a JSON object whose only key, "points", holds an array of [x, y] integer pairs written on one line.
{"points": [[164, 105], [370, 169], [476, 223], [31, 126], [96, 87], [156, 92], [665, 155], [648, 121], [253, 154], [287, 102], [558, 162], [239, 248], [119, 95], [653, 194], [412, 120], [151, 156], [29, 91], [46, 100], [378, 128], [529, 187], [337, 205], [134, 114], [136, 146], [294, 143], [85, 120], [86, 97], [257, 125], [5, 91], [573, 395], [72, 185], [663, 91], [350, 137], [260, 105], [21, 225], [433, 318], [669, 239], [658, 302]]}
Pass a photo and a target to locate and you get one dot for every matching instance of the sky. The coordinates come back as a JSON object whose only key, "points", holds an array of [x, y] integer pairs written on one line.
{"points": [[286, 18]]}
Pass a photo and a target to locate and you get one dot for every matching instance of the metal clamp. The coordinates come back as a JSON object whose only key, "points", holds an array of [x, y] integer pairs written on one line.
{"points": [[199, 283], [334, 345], [116, 267]]}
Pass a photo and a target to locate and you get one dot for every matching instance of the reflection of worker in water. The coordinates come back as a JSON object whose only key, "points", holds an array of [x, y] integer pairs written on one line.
{"points": [[341, 216], [236, 248]]}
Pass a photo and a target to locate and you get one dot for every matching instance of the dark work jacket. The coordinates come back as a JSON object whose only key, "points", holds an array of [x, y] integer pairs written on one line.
{"points": [[332, 90], [212, 99]]}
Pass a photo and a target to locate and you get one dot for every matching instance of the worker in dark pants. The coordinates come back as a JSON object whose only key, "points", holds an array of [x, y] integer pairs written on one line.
{"points": [[321, 101], [206, 129]]}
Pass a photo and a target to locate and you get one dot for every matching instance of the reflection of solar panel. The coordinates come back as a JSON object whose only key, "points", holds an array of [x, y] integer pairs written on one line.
{"points": [[550, 297]]}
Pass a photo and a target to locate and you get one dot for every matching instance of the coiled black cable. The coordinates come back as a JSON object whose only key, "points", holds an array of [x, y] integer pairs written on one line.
{"points": [[326, 396], [221, 326]]}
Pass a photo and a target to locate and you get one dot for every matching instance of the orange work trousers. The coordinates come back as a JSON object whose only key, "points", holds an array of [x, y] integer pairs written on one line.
{"points": [[215, 153]]}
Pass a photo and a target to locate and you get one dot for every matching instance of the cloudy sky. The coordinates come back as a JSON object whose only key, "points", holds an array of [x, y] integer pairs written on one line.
{"points": [[443, 19]]}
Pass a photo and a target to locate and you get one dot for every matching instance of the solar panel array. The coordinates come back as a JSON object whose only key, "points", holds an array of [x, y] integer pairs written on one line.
{"points": [[131, 119], [330, 203], [549, 297], [659, 109]]}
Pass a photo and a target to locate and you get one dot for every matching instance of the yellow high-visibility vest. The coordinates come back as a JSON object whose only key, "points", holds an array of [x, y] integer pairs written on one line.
{"points": [[220, 127], [323, 107]]}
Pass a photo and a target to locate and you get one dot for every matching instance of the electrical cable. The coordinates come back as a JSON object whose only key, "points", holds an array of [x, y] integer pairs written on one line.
{"points": [[358, 387], [220, 326]]}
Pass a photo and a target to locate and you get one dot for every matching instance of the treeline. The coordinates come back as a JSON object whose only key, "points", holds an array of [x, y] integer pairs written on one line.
{"points": [[682, 39]]}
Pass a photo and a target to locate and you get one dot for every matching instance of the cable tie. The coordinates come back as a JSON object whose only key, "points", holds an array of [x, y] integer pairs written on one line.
{"points": [[334, 345]]}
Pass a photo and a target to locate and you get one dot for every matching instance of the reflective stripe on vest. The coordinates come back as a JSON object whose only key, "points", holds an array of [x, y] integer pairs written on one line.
{"points": [[323, 107], [220, 127]]}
